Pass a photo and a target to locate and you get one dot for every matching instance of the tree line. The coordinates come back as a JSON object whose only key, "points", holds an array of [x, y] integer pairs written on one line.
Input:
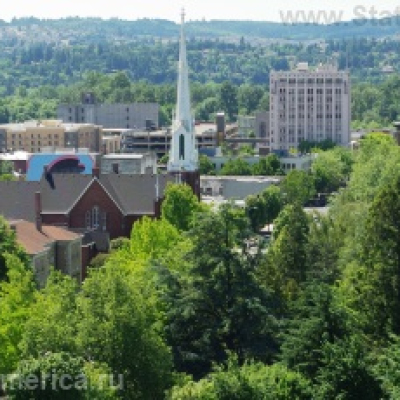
{"points": [[373, 106]]}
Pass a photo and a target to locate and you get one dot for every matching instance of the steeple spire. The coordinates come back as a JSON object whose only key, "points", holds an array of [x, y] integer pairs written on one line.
{"points": [[183, 114], [183, 154]]}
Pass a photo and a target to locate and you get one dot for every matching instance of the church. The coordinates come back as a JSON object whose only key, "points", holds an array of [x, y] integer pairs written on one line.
{"points": [[183, 158]]}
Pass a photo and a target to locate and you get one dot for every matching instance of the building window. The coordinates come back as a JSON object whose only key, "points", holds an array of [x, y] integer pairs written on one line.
{"points": [[95, 217], [92, 218], [104, 220], [88, 220]]}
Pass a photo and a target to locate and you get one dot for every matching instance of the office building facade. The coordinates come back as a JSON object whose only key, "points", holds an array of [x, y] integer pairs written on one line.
{"points": [[309, 105], [127, 116]]}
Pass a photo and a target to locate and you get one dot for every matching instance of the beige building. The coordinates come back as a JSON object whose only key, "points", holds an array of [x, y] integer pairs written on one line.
{"points": [[311, 105], [135, 141], [111, 140], [32, 136]]}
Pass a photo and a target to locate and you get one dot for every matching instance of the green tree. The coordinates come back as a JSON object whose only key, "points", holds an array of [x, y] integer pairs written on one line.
{"points": [[16, 298], [285, 264], [117, 328], [60, 376], [330, 170], [379, 267], [268, 166], [9, 245], [180, 205], [237, 167], [255, 209], [6, 167], [298, 187], [209, 310], [248, 382], [273, 202], [347, 372], [152, 239], [249, 97], [386, 369], [315, 319], [52, 323], [206, 167], [228, 99]]}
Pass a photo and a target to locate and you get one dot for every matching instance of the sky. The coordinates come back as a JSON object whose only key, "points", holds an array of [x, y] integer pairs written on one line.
{"points": [[259, 10]]}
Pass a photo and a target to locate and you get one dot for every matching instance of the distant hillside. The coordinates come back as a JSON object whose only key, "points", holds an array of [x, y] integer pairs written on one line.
{"points": [[85, 30], [60, 52]]}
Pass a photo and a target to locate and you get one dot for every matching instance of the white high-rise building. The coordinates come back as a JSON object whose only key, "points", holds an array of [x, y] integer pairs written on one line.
{"points": [[183, 155], [312, 105]]}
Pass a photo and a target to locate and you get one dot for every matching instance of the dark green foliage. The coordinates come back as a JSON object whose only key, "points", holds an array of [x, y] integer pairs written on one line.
{"points": [[387, 367], [256, 211], [268, 166], [99, 260], [381, 256], [236, 166], [347, 372], [206, 167], [228, 99], [284, 267], [263, 208], [314, 321], [210, 312]]}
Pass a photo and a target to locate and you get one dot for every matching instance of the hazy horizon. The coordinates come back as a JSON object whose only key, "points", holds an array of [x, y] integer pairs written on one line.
{"points": [[251, 10]]}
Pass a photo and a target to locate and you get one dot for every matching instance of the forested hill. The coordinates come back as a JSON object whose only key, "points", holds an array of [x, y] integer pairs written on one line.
{"points": [[94, 30]]}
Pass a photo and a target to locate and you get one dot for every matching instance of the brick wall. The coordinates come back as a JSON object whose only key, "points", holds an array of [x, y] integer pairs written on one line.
{"points": [[96, 196]]}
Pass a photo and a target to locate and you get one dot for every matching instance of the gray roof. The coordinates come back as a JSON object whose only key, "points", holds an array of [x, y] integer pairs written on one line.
{"points": [[134, 194], [17, 200], [61, 191]]}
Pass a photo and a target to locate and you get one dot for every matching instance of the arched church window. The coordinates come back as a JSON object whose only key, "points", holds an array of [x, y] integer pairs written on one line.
{"points": [[95, 217], [181, 147]]}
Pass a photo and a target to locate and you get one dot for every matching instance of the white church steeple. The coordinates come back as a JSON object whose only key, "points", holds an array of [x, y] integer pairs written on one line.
{"points": [[183, 154]]}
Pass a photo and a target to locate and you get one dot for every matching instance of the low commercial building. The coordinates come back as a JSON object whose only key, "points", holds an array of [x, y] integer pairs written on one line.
{"points": [[234, 187], [145, 163], [159, 141]]}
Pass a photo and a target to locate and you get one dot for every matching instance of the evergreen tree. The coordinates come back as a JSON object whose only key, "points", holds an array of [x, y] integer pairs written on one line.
{"points": [[210, 312]]}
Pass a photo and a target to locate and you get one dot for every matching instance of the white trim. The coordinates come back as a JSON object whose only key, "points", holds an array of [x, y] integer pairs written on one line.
{"points": [[86, 189]]}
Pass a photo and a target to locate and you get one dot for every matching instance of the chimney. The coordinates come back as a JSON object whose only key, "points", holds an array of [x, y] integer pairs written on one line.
{"points": [[96, 172], [38, 211]]}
